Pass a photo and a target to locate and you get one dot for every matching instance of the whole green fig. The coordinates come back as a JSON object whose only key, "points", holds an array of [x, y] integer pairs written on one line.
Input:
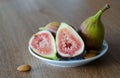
{"points": [[92, 30]]}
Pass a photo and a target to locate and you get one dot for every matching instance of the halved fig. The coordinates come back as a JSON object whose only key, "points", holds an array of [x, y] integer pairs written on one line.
{"points": [[43, 44], [69, 43]]}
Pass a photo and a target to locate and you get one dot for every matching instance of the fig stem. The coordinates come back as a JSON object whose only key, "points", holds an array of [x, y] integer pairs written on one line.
{"points": [[107, 6], [100, 12]]}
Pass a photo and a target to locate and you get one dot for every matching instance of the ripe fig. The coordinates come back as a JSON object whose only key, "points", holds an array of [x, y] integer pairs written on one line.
{"points": [[52, 27], [69, 43], [92, 30], [43, 44]]}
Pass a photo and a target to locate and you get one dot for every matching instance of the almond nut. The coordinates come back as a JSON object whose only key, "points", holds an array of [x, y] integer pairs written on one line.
{"points": [[91, 53], [24, 68]]}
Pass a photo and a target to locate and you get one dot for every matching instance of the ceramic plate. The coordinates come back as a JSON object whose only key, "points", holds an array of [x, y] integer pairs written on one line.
{"points": [[72, 62]]}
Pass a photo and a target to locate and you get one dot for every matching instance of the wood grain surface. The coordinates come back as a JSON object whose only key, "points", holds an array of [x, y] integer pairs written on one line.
{"points": [[19, 19]]}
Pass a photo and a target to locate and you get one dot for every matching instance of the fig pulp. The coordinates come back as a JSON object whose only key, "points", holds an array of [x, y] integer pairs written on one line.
{"points": [[92, 30], [69, 43], [43, 44]]}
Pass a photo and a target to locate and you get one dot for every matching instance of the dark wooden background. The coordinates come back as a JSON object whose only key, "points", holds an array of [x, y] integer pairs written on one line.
{"points": [[19, 19]]}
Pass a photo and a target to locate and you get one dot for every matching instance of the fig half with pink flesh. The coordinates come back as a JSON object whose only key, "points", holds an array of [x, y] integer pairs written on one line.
{"points": [[68, 42], [43, 44]]}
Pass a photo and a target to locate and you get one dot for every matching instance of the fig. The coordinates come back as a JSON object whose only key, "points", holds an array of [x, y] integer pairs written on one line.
{"points": [[52, 27], [92, 30], [43, 44], [68, 41]]}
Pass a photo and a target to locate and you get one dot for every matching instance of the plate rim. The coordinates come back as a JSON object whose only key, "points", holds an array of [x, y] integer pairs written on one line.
{"points": [[71, 61]]}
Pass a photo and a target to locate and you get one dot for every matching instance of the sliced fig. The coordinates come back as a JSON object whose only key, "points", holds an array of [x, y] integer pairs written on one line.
{"points": [[43, 44], [69, 43]]}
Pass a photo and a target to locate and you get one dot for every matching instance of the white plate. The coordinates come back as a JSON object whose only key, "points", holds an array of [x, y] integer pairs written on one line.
{"points": [[72, 63]]}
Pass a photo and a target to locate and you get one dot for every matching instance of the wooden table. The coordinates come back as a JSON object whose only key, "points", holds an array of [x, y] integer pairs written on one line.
{"points": [[19, 19]]}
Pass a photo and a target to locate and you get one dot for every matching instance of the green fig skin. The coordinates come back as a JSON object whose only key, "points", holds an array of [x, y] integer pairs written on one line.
{"points": [[92, 30]]}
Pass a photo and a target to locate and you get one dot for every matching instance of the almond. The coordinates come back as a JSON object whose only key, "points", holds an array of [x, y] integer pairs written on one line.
{"points": [[91, 53], [24, 68]]}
